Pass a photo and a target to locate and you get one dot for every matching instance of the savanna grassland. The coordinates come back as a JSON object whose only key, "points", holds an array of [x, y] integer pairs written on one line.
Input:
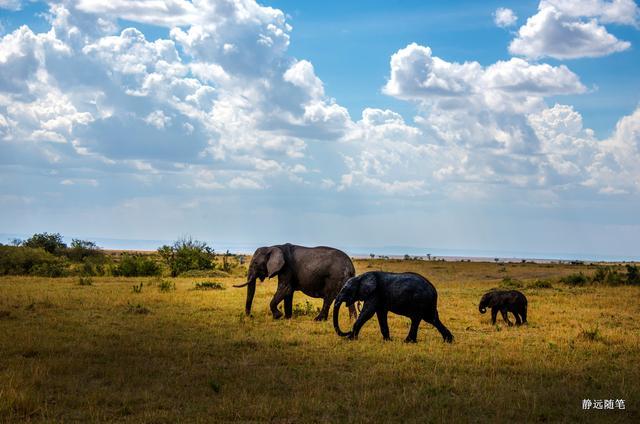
{"points": [[104, 352]]}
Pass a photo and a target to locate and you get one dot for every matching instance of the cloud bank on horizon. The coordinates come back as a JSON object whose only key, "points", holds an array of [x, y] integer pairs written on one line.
{"points": [[218, 108]]}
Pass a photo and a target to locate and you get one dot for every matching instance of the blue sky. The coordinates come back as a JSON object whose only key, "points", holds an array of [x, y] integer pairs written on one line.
{"points": [[387, 126]]}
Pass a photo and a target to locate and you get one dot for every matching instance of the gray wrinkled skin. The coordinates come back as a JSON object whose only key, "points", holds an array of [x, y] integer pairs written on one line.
{"points": [[318, 272]]}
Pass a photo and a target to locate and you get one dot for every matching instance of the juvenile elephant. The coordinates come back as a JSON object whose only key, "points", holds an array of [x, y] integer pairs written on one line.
{"points": [[318, 272], [406, 294], [505, 301]]}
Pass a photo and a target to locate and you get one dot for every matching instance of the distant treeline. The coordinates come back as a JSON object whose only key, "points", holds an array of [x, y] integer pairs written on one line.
{"points": [[47, 255]]}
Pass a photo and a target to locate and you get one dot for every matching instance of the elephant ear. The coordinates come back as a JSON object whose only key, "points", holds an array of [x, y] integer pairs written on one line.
{"points": [[368, 286], [275, 262]]}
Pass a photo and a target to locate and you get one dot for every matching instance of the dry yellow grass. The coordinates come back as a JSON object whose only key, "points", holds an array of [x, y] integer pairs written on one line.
{"points": [[91, 353]]}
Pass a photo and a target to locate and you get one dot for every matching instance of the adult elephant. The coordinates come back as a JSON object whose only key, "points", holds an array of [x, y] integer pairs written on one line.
{"points": [[318, 272]]}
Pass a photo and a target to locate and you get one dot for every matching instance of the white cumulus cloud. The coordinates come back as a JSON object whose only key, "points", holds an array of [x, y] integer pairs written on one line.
{"points": [[569, 29], [504, 17], [11, 4]]}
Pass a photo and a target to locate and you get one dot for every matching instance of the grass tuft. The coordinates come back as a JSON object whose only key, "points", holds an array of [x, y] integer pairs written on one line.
{"points": [[85, 281], [137, 308], [592, 334], [510, 283], [540, 284], [166, 286], [305, 309], [208, 285]]}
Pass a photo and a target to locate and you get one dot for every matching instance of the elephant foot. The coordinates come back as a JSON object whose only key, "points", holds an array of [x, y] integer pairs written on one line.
{"points": [[408, 340], [320, 317], [277, 315], [386, 339], [288, 316], [448, 339], [351, 336]]}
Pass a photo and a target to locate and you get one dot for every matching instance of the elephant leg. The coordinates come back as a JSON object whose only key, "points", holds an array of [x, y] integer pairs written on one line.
{"points": [[505, 317], [288, 306], [444, 331], [367, 313], [494, 314], [518, 320], [283, 291], [524, 314], [412, 337], [324, 312], [384, 326]]}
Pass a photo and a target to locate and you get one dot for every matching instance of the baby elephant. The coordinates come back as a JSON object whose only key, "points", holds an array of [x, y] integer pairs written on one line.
{"points": [[505, 301], [407, 294]]}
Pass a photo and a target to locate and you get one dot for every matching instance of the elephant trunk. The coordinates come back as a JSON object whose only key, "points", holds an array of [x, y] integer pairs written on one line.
{"points": [[336, 324], [251, 291], [482, 309]]}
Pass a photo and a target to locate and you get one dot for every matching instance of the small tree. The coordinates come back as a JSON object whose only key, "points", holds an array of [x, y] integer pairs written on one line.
{"points": [[136, 266], [51, 243], [633, 275], [226, 265], [81, 249], [372, 255], [187, 254]]}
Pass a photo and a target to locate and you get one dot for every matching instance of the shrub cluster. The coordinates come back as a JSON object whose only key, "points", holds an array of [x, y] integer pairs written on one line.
{"points": [[606, 275], [208, 285], [17, 260], [50, 243], [187, 254], [46, 255], [136, 266], [510, 283]]}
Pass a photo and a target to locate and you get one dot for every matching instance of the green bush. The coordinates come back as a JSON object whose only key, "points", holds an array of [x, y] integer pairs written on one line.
{"points": [[633, 275], [50, 269], [82, 249], [208, 285], [166, 286], [94, 265], [19, 260], [136, 266], [187, 254], [609, 276], [541, 284], [304, 310], [50, 243], [510, 283], [575, 280]]}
